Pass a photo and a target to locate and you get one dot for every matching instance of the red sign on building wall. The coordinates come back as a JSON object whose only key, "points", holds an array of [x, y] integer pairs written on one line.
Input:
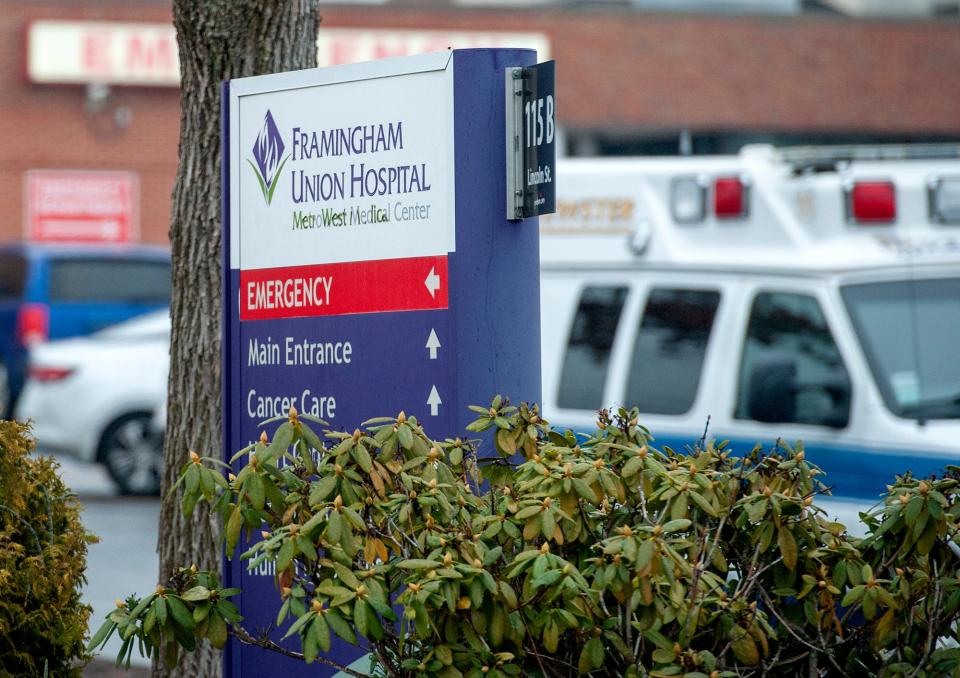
{"points": [[81, 206]]}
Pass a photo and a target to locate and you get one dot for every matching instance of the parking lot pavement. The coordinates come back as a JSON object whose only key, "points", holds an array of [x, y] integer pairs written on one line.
{"points": [[124, 562], [86, 480], [101, 668]]}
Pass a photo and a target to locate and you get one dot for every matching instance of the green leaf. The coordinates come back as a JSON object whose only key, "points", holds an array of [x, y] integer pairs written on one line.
{"points": [[632, 467], [321, 490], [360, 617], [234, 523], [310, 648], [658, 639], [306, 547], [334, 527], [192, 479], [853, 595], [341, 627], [594, 648], [217, 631], [419, 564], [285, 556], [189, 503], [197, 593], [299, 624], [757, 510], [346, 575], [913, 509], [528, 512], [680, 525], [181, 615], [548, 524], [406, 436], [443, 654], [255, 491], [281, 441], [102, 634], [788, 547], [662, 656], [228, 610], [362, 457], [704, 505], [551, 637], [321, 631], [745, 648], [142, 605], [927, 540], [869, 604], [584, 490]]}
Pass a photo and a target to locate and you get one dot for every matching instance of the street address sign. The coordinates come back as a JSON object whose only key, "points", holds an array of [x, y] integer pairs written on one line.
{"points": [[369, 266], [531, 103]]}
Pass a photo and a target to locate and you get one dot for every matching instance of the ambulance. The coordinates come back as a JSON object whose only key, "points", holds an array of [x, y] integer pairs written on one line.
{"points": [[805, 294]]}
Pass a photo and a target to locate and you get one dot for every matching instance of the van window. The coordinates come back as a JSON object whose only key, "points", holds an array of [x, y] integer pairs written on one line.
{"points": [[585, 364], [792, 371], [13, 272], [123, 281], [669, 350], [910, 331]]}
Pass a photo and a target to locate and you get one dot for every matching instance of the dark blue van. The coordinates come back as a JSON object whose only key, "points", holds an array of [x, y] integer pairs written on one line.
{"points": [[53, 291]]}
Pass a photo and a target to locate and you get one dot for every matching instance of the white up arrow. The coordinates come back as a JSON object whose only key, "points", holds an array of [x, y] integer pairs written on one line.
{"points": [[432, 282], [433, 344], [434, 402]]}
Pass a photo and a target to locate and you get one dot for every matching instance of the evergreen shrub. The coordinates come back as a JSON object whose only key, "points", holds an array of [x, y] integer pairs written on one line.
{"points": [[43, 549], [566, 554]]}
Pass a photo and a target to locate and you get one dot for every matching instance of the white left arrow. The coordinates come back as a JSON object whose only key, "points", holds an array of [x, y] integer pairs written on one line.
{"points": [[434, 402], [433, 343], [432, 282]]}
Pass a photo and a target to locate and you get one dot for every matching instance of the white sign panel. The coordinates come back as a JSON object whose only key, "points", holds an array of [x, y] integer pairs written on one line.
{"points": [[81, 52], [369, 178], [350, 45]]}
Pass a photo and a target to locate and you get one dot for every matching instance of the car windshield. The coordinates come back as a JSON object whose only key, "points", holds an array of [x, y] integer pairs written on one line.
{"points": [[910, 331]]}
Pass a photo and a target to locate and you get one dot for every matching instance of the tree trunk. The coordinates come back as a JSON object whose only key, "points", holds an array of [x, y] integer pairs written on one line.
{"points": [[218, 40]]}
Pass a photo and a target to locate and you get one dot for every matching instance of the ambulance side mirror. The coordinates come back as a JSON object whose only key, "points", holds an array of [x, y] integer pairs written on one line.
{"points": [[772, 397]]}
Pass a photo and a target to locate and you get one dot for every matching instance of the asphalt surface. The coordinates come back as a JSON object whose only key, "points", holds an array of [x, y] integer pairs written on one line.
{"points": [[124, 562]]}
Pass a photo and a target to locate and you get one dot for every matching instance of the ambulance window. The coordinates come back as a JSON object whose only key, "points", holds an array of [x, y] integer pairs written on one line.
{"points": [[588, 350], [669, 350], [910, 331], [792, 371]]}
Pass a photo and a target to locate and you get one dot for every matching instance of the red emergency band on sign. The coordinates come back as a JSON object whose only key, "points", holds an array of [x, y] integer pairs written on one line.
{"points": [[415, 284]]}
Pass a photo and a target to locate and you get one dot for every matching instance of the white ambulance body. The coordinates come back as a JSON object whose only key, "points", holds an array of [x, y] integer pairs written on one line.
{"points": [[806, 294]]}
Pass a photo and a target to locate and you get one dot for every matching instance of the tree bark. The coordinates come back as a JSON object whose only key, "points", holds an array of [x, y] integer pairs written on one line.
{"points": [[218, 40]]}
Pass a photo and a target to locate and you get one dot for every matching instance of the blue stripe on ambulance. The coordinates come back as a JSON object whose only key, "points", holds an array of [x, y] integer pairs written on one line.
{"points": [[853, 472]]}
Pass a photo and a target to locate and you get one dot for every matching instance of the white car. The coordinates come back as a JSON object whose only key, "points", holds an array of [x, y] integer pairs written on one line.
{"points": [[95, 398]]}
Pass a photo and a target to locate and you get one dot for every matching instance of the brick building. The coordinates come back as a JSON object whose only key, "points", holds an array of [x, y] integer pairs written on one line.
{"points": [[629, 82]]}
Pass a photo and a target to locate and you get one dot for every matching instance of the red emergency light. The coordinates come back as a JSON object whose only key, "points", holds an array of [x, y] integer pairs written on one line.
{"points": [[729, 198], [872, 202]]}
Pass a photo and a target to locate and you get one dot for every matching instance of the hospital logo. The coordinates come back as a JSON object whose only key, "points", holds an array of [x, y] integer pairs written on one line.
{"points": [[268, 154]]}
